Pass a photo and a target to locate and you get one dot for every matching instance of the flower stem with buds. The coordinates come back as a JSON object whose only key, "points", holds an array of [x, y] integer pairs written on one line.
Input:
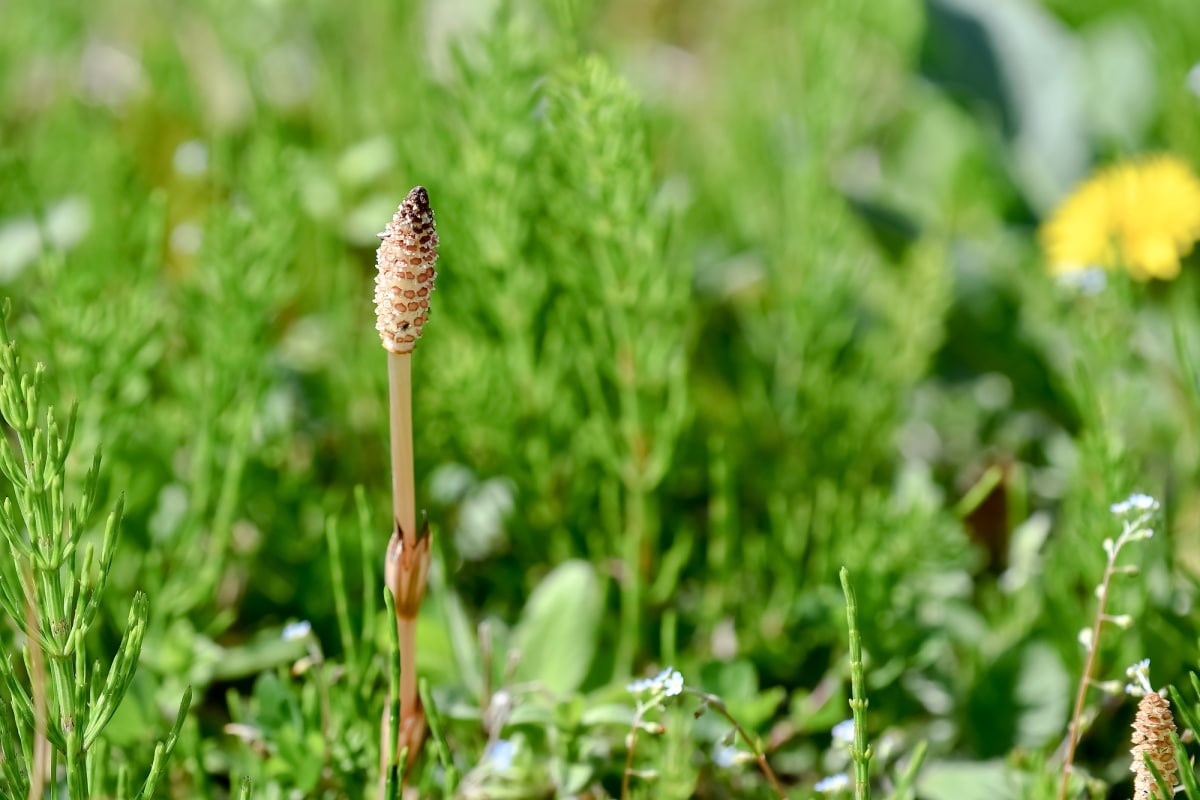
{"points": [[1136, 511]]}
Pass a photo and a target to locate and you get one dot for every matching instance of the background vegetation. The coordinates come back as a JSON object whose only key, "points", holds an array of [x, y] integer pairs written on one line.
{"points": [[732, 293]]}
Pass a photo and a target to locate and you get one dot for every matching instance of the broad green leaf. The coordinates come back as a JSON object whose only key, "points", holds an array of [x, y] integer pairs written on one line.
{"points": [[556, 636]]}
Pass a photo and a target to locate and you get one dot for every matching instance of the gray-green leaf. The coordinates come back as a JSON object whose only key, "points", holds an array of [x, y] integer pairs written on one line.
{"points": [[556, 636]]}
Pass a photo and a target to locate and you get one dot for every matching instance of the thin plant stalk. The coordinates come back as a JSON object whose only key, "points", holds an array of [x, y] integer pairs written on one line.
{"points": [[341, 604], [669, 683], [411, 716], [392, 760], [404, 511], [630, 746], [860, 751], [438, 735], [404, 500], [41, 744], [366, 545], [1085, 681], [718, 705]]}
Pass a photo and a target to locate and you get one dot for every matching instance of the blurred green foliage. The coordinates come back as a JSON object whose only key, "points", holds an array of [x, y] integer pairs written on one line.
{"points": [[732, 294]]}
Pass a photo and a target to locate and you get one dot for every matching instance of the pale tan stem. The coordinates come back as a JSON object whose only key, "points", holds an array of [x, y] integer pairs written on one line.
{"points": [[404, 501], [410, 564], [1073, 732], [409, 721]]}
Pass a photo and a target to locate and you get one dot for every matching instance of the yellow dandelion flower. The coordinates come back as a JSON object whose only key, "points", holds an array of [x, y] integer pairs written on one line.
{"points": [[1143, 215]]}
